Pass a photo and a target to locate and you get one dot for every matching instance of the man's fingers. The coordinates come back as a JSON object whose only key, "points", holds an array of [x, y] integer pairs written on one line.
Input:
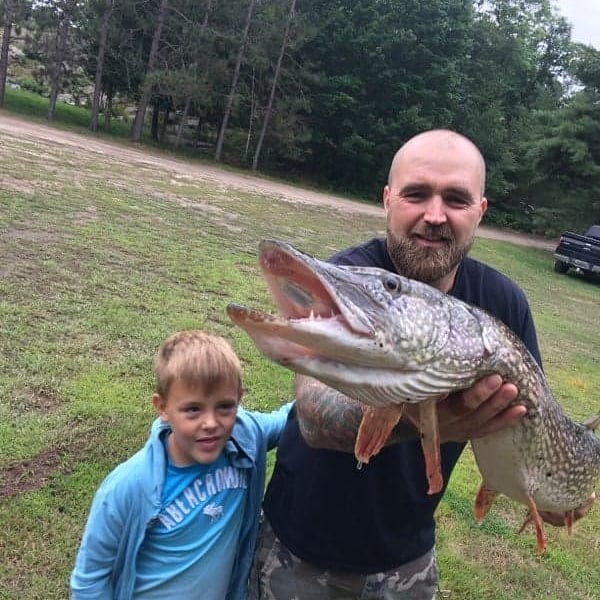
{"points": [[483, 409], [495, 412], [507, 418], [498, 402], [485, 399], [480, 391], [486, 407]]}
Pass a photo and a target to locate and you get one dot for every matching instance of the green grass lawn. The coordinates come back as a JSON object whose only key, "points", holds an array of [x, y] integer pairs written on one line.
{"points": [[100, 261], [34, 106]]}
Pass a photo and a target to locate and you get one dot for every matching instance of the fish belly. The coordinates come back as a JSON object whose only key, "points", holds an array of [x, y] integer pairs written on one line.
{"points": [[500, 461]]}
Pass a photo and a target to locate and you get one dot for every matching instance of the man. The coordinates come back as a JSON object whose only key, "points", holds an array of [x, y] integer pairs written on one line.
{"points": [[337, 532]]}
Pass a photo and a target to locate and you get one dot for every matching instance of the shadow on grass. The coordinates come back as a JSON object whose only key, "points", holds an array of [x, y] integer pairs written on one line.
{"points": [[463, 508]]}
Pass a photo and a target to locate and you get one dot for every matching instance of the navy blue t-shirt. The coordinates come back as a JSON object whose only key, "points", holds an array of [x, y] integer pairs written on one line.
{"points": [[335, 516]]}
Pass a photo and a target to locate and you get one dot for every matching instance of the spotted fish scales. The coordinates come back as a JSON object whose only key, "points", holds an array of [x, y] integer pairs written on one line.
{"points": [[386, 340]]}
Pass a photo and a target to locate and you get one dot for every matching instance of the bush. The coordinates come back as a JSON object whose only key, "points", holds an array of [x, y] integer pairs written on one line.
{"points": [[33, 85], [510, 218]]}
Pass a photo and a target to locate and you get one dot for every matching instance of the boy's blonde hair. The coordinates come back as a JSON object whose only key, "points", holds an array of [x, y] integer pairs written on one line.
{"points": [[197, 358]]}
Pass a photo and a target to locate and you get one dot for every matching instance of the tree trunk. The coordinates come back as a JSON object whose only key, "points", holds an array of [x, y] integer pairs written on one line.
{"points": [[62, 33], [208, 9], [108, 109], [9, 16], [250, 120], [273, 88], [110, 4], [138, 122], [166, 106], [155, 118], [236, 75], [186, 110]]}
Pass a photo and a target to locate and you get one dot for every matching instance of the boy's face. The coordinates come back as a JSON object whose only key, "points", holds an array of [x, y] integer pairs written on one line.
{"points": [[200, 423]]}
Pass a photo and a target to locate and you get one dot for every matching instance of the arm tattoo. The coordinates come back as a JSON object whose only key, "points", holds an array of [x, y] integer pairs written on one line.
{"points": [[329, 420]]}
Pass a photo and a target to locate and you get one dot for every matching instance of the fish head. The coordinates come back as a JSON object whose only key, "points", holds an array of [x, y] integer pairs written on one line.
{"points": [[367, 332]]}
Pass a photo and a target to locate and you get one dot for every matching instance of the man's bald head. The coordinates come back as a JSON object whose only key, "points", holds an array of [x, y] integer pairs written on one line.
{"points": [[444, 138]]}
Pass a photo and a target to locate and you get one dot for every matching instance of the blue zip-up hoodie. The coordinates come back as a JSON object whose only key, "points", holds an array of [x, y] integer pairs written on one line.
{"points": [[129, 499]]}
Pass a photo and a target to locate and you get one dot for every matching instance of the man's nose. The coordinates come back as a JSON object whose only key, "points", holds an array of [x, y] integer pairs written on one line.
{"points": [[435, 211]]}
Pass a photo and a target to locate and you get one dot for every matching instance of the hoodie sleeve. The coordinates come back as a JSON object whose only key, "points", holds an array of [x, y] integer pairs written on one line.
{"points": [[106, 540], [272, 423]]}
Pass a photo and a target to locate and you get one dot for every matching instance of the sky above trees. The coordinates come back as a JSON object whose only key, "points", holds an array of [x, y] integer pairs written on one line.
{"points": [[584, 16]]}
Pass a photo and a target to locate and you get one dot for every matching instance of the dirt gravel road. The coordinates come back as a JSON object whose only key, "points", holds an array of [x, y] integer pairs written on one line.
{"points": [[139, 155]]}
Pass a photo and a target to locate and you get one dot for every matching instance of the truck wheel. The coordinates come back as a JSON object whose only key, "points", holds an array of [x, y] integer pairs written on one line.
{"points": [[560, 267]]}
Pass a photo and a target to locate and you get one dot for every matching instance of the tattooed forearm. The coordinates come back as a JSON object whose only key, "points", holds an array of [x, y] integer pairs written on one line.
{"points": [[329, 420]]}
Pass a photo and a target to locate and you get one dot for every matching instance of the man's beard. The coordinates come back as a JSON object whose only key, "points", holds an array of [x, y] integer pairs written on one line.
{"points": [[426, 264]]}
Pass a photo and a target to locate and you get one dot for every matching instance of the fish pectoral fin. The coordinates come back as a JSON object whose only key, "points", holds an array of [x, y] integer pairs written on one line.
{"points": [[533, 516], [430, 442], [483, 501], [374, 430]]}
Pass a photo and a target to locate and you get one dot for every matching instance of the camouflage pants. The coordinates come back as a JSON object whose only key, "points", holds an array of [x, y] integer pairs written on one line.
{"points": [[277, 574]]}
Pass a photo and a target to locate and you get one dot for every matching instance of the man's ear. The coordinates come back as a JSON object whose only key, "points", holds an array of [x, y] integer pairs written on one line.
{"points": [[160, 406], [386, 198], [483, 207]]}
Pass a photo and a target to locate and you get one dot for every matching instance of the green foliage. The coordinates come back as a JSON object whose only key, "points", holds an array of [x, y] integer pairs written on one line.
{"points": [[358, 78], [31, 84], [586, 67], [564, 151], [380, 77], [28, 103]]}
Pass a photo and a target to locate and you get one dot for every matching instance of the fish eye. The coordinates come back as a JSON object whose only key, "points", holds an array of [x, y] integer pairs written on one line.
{"points": [[391, 284]]}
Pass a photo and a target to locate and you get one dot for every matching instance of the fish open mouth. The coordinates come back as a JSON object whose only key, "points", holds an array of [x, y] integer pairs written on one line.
{"points": [[305, 288], [297, 291], [308, 308]]}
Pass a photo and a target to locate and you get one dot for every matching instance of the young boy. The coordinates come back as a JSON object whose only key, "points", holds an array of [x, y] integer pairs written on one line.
{"points": [[179, 519]]}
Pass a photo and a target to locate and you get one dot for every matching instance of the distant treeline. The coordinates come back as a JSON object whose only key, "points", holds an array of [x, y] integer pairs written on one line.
{"points": [[326, 90]]}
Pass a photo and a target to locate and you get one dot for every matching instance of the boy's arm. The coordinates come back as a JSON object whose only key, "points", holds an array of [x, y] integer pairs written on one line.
{"points": [[93, 574], [272, 423]]}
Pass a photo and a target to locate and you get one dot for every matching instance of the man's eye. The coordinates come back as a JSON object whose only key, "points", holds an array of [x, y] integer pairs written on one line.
{"points": [[414, 196], [191, 409], [457, 201], [227, 408]]}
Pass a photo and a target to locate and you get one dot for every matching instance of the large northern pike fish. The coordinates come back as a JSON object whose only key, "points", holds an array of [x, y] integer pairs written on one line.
{"points": [[386, 340]]}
